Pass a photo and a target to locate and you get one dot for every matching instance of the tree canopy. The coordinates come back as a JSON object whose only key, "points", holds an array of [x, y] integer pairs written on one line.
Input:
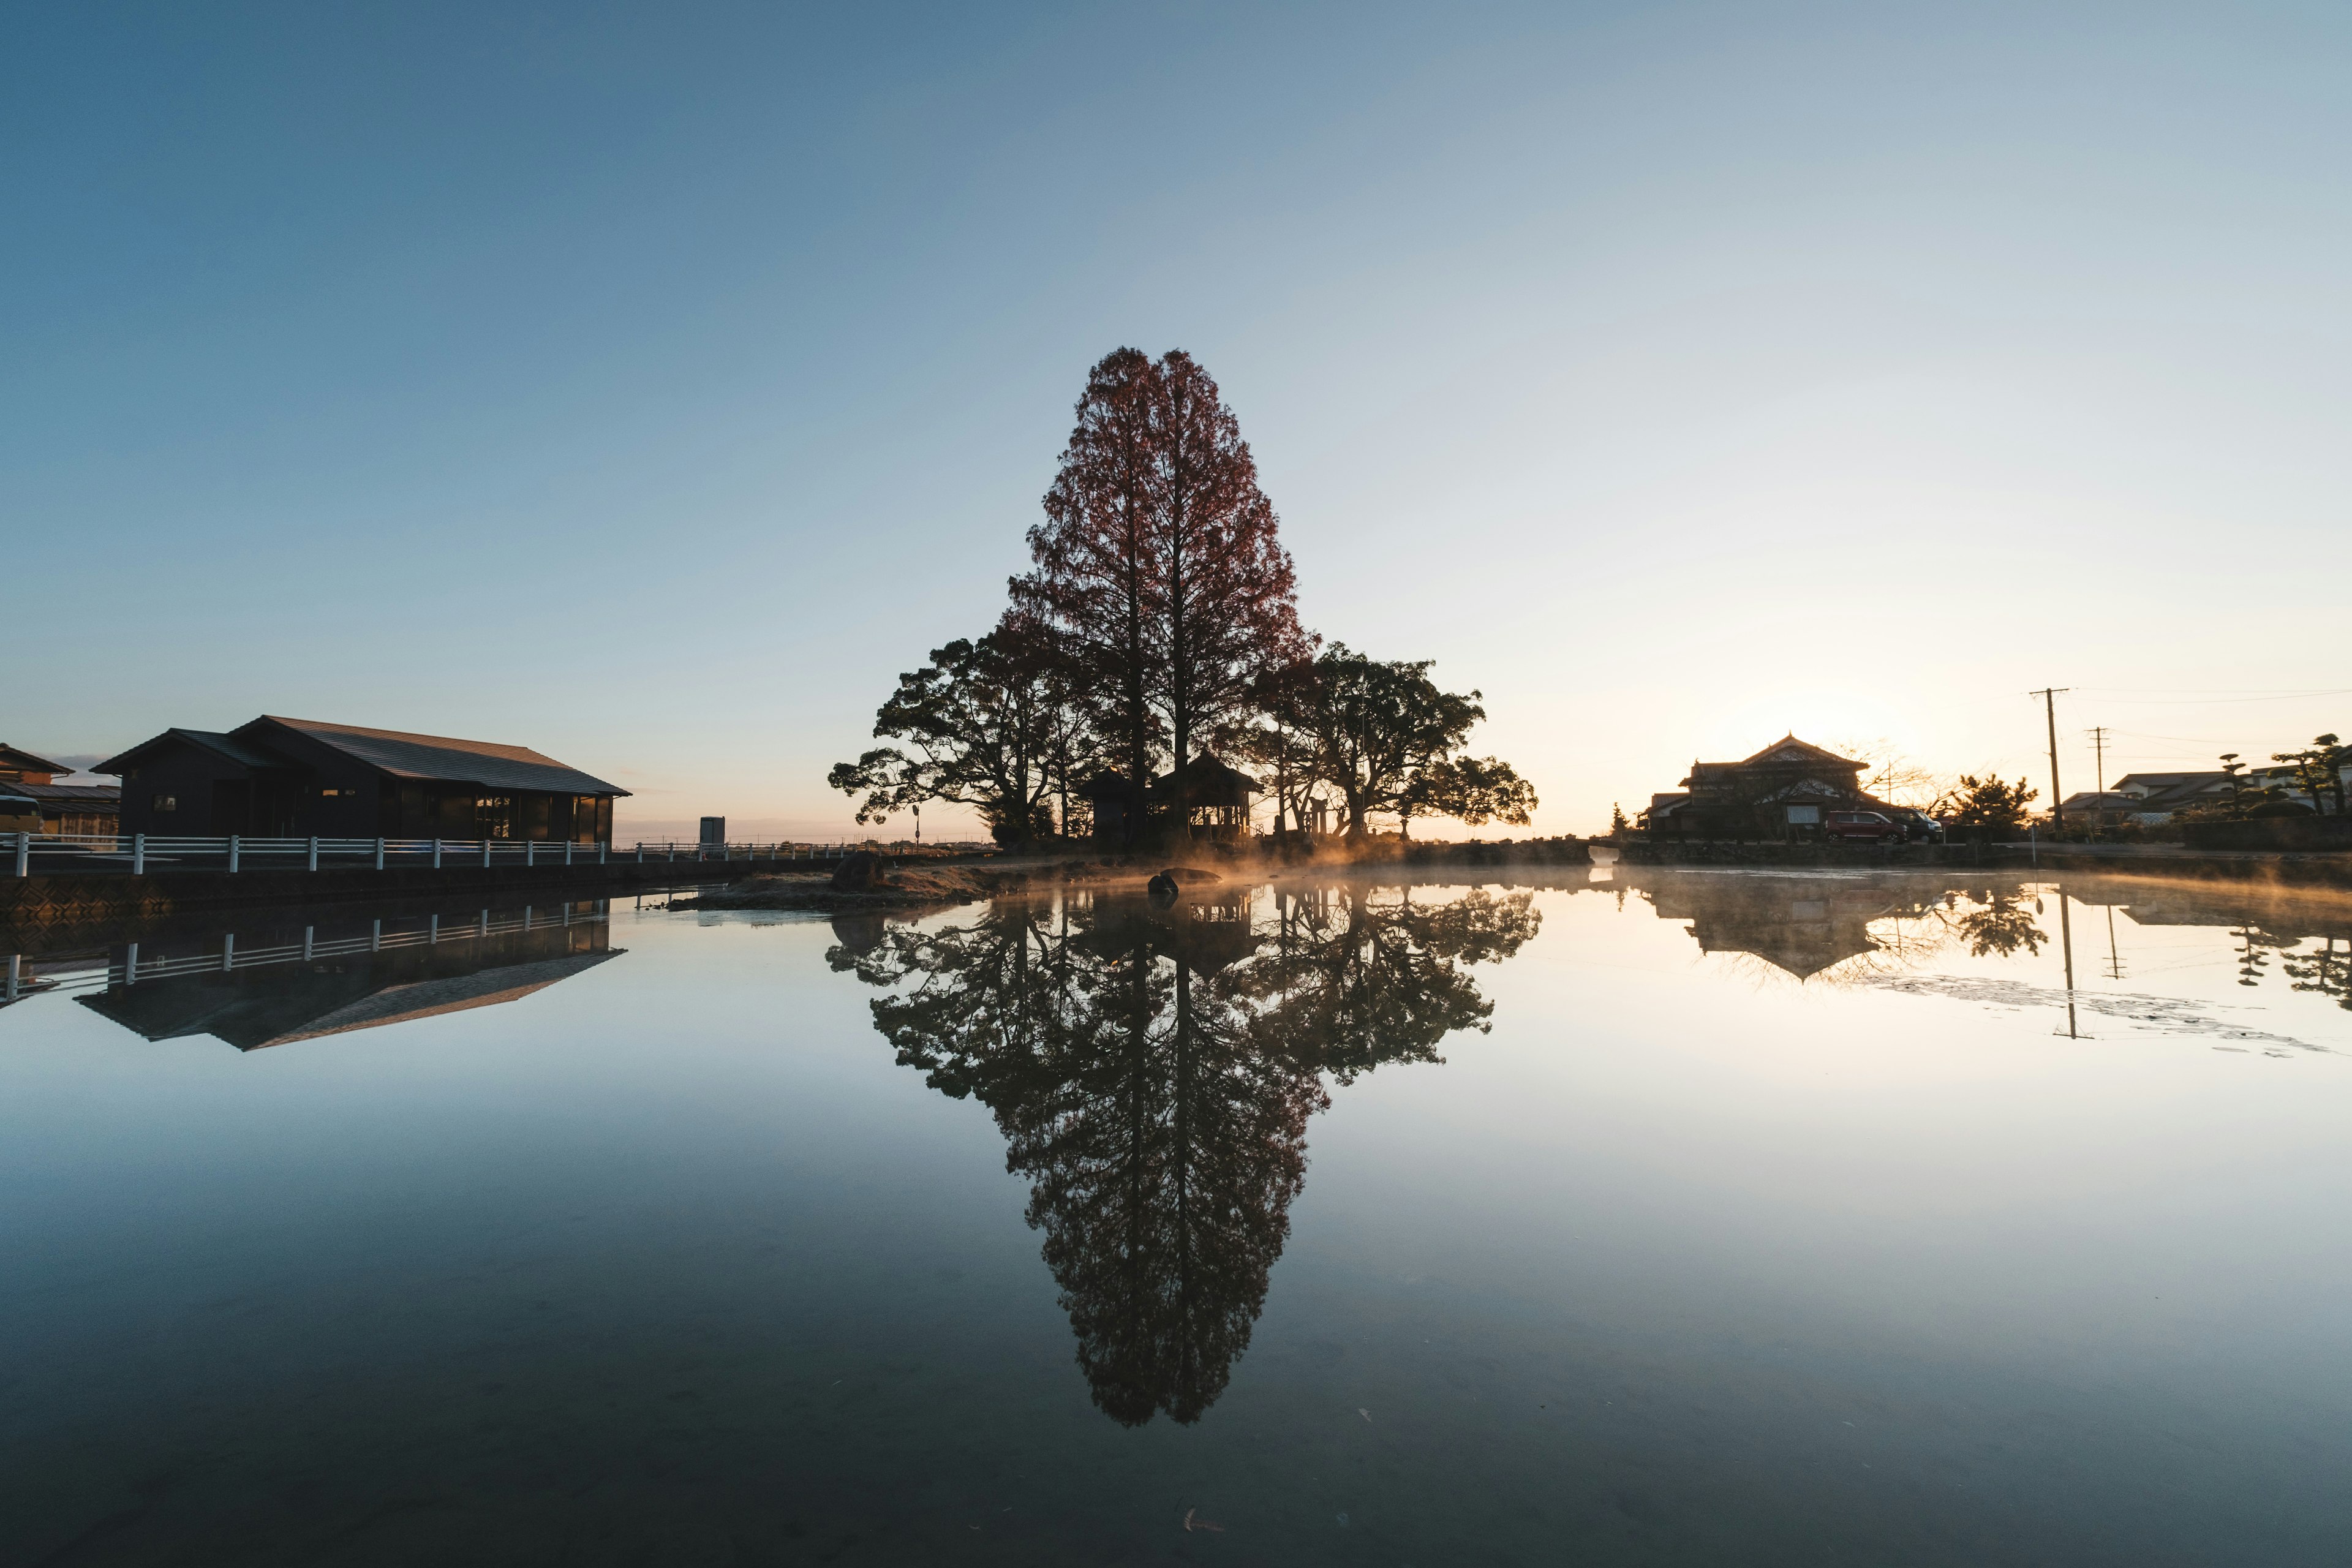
{"points": [[984, 724], [1158, 624]]}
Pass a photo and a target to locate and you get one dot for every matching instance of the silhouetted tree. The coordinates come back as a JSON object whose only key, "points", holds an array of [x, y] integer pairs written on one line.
{"points": [[1476, 790], [1385, 738], [2318, 770], [983, 724], [1985, 804], [1159, 564]]}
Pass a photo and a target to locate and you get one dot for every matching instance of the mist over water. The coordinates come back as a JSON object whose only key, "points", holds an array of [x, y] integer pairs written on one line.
{"points": [[1645, 1218]]}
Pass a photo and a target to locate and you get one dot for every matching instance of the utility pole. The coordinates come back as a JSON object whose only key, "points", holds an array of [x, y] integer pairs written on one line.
{"points": [[2049, 695], [2099, 750]]}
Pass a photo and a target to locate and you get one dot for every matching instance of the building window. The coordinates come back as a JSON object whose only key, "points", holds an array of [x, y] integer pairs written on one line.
{"points": [[496, 815], [167, 802]]}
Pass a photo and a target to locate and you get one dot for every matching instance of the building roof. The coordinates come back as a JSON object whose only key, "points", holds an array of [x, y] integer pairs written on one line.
{"points": [[393, 752], [228, 746], [405, 755], [18, 760], [1205, 781], [71, 794], [1789, 749]]}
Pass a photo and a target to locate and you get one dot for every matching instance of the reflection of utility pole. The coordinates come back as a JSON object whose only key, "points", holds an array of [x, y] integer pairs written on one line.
{"points": [[2067, 941], [2049, 695], [2114, 959]]}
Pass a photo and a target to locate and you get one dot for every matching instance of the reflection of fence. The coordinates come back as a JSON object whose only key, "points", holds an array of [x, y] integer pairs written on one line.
{"points": [[101, 975], [145, 854]]}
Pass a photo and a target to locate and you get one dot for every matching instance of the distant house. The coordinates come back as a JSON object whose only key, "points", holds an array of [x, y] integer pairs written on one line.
{"points": [[2154, 797], [65, 808], [1782, 788], [298, 778]]}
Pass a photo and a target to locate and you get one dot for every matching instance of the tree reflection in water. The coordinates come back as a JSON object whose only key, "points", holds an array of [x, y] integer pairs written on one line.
{"points": [[1152, 1071], [2001, 924]]}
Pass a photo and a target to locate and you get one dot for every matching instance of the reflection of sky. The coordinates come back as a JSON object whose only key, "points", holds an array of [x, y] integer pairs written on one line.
{"points": [[1669, 1260]]}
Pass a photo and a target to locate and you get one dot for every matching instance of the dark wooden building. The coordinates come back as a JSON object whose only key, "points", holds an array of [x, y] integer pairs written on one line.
{"points": [[299, 778], [1210, 799]]}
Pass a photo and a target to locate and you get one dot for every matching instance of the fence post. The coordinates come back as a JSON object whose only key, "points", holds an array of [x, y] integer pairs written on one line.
{"points": [[138, 854], [229, 950], [529, 851], [379, 853], [16, 965], [232, 853], [314, 854], [601, 847], [23, 852], [131, 965], [308, 942], [375, 937], [436, 855], [485, 854], [567, 852], [431, 930]]}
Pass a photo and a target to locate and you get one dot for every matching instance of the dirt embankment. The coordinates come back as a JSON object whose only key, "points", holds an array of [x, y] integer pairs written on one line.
{"points": [[934, 883]]}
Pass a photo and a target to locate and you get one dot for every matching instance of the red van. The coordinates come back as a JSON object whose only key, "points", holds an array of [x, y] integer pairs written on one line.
{"points": [[1859, 827]]}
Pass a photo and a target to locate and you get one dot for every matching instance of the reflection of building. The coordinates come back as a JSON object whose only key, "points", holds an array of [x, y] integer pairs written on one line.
{"points": [[65, 808], [268, 994], [297, 778], [1780, 792], [1801, 925]]}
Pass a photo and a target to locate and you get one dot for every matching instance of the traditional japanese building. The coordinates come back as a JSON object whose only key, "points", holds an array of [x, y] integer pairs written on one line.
{"points": [[1779, 792], [298, 778]]}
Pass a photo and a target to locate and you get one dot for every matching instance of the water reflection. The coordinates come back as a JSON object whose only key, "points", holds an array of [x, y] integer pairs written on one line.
{"points": [[1153, 1069], [266, 978]]}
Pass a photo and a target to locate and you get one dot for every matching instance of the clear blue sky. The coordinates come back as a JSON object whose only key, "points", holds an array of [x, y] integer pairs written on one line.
{"points": [[651, 385]]}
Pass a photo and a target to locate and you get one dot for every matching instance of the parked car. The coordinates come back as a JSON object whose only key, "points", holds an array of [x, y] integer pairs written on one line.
{"points": [[1861, 828], [1918, 827]]}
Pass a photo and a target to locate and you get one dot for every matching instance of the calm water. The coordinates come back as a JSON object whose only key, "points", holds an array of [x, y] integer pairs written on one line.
{"points": [[1677, 1218]]}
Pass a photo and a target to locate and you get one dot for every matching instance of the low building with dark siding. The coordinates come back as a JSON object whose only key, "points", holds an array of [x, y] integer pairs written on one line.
{"points": [[300, 778]]}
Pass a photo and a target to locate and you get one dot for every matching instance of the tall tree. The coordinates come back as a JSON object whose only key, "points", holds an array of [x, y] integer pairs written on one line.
{"points": [[1159, 563], [981, 723], [1095, 577], [1228, 594]]}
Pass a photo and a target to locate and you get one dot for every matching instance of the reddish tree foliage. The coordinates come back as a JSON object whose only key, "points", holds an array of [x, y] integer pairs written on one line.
{"points": [[1093, 582], [1159, 563]]}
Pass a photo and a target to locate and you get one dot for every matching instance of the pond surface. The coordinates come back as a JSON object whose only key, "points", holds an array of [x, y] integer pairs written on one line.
{"points": [[1678, 1217]]}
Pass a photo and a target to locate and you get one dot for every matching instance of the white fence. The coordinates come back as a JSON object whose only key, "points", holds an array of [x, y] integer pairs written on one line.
{"points": [[146, 854]]}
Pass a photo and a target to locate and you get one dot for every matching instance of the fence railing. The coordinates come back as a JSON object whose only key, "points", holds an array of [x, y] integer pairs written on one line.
{"points": [[144, 854], [436, 931]]}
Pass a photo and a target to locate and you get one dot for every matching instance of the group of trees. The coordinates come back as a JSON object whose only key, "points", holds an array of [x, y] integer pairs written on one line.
{"points": [[1157, 623], [2314, 772]]}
